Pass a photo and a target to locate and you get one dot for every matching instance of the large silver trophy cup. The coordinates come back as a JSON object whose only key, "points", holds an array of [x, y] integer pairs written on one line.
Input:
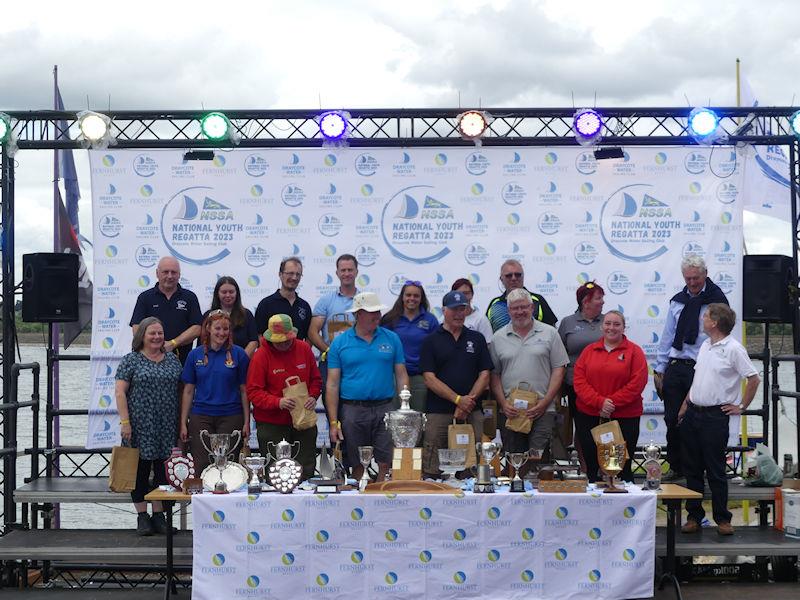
{"points": [[256, 464], [487, 451], [229, 474], [405, 425]]}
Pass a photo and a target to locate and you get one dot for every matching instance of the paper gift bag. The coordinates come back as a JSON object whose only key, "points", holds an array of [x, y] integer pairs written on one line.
{"points": [[124, 465], [608, 432], [522, 398], [302, 418], [337, 324], [490, 418], [461, 435]]}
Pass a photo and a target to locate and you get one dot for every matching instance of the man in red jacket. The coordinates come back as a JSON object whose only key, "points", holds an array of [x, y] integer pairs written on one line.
{"points": [[279, 357]]}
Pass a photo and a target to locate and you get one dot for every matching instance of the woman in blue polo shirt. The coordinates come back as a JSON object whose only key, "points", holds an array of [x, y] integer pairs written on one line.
{"points": [[214, 395], [410, 320]]}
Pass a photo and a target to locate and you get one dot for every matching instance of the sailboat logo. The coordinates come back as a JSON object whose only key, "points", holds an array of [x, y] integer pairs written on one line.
{"points": [[633, 221]]}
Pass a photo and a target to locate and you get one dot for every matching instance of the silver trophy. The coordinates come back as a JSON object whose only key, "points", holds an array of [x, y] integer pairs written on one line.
{"points": [[218, 447], [256, 464], [517, 459], [284, 471], [364, 457], [405, 425], [487, 451], [451, 461], [652, 467]]}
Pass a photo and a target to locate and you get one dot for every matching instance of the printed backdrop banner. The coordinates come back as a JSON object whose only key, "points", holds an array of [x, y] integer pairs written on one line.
{"points": [[427, 214], [368, 546]]}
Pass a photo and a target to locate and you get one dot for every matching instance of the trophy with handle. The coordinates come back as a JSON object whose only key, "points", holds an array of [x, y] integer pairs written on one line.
{"points": [[517, 459], [405, 426], [364, 457], [611, 458], [284, 471], [256, 464], [218, 447], [487, 451]]}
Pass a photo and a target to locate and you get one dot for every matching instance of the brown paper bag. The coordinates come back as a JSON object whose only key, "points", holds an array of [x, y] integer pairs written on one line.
{"points": [[124, 465], [302, 418], [608, 433], [522, 398], [490, 418], [461, 435], [337, 324]]}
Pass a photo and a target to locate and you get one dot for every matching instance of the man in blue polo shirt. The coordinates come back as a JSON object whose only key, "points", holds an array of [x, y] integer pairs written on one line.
{"points": [[366, 367], [176, 307], [455, 363]]}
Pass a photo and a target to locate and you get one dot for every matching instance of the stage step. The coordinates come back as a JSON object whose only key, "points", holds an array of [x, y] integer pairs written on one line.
{"points": [[93, 546], [746, 541], [68, 489]]}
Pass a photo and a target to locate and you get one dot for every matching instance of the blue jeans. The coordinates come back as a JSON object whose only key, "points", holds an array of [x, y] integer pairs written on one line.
{"points": [[704, 437]]}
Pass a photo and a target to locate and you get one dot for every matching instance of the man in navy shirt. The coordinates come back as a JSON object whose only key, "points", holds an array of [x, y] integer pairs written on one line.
{"points": [[455, 363], [176, 307], [286, 301]]}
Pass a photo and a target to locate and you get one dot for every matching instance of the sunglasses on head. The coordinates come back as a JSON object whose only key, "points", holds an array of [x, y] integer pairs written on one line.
{"points": [[219, 313], [414, 283]]}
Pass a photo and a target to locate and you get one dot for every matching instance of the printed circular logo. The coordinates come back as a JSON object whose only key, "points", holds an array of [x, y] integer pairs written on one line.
{"points": [[143, 281], [105, 401], [329, 225], [493, 513], [390, 535], [287, 515], [628, 554], [256, 255], [528, 534], [459, 535], [145, 166], [322, 536], [287, 559], [459, 577], [551, 158], [366, 165], [585, 163], [594, 576], [475, 254], [549, 223], [367, 190], [561, 554], [292, 195], [629, 512], [418, 227], [476, 189], [635, 224], [146, 256], [107, 343], [618, 283], [356, 514], [255, 165], [425, 556], [493, 555], [366, 255], [196, 227], [322, 579], [476, 163], [146, 191], [660, 158], [108, 160], [725, 281], [526, 576], [425, 513], [218, 560], [253, 537], [727, 192], [440, 159], [256, 191], [357, 557], [595, 533], [692, 248], [549, 248], [218, 516], [253, 581], [562, 512], [695, 163], [330, 160], [585, 253], [513, 193], [110, 226], [390, 578]]}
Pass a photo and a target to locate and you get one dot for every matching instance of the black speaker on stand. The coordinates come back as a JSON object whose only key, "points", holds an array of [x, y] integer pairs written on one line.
{"points": [[770, 289], [50, 287]]}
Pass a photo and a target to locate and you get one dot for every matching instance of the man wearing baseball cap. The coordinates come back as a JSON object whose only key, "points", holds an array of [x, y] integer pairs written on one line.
{"points": [[455, 364], [366, 367]]}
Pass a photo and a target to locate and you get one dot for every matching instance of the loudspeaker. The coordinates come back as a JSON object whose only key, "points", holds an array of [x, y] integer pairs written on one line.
{"points": [[49, 287], [769, 289]]}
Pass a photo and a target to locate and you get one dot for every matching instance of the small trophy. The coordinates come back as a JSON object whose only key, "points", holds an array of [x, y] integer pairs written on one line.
{"points": [[405, 426], [517, 459], [256, 464], [487, 451], [611, 458], [451, 461], [284, 471], [229, 474], [364, 457], [652, 467], [331, 474]]}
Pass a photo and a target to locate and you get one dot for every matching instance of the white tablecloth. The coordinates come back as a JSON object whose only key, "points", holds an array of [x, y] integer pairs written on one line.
{"points": [[424, 546]]}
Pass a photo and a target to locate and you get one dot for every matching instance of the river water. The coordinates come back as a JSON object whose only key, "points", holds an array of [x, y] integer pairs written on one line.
{"points": [[74, 394]]}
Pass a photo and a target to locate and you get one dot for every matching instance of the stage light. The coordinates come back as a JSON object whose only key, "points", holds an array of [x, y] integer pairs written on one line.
{"points": [[587, 125], [334, 125], [702, 122], [5, 127], [93, 126], [609, 153], [215, 126], [794, 123], [472, 124]]}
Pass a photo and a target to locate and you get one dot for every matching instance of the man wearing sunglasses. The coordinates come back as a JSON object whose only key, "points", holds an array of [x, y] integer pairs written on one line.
{"points": [[512, 276]]}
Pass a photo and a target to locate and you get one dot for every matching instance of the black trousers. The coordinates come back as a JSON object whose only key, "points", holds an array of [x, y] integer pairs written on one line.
{"points": [[143, 485], [705, 440], [583, 429], [677, 380]]}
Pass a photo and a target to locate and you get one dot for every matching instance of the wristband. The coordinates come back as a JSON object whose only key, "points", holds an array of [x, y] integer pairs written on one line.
{"points": [[458, 399], [173, 342], [324, 356], [124, 422], [336, 424]]}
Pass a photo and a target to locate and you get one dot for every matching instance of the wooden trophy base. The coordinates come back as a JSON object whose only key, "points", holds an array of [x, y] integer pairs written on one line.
{"points": [[407, 464]]}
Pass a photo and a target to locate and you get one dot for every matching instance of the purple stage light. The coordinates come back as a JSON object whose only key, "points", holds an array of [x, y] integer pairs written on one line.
{"points": [[332, 125], [587, 123]]}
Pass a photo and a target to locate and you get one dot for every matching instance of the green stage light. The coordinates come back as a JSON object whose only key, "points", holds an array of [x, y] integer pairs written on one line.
{"points": [[215, 126], [794, 123]]}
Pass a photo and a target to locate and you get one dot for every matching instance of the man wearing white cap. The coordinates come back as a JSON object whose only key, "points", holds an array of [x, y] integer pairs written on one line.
{"points": [[366, 367]]}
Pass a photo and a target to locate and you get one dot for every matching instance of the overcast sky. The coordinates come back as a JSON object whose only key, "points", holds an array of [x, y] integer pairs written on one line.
{"points": [[416, 53]]}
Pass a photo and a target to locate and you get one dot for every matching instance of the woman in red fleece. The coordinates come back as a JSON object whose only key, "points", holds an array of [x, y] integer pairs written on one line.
{"points": [[279, 356], [609, 378]]}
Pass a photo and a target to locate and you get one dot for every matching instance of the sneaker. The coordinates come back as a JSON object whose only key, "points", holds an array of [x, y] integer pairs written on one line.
{"points": [[144, 526], [692, 526], [725, 528], [159, 522]]}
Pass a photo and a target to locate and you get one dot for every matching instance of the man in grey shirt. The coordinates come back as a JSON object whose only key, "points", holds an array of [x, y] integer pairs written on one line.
{"points": [[530, 351]]}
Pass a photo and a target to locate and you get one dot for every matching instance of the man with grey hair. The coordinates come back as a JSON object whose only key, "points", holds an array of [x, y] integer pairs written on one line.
{"points": [[512, 276], [527, 350], [677, 351]]}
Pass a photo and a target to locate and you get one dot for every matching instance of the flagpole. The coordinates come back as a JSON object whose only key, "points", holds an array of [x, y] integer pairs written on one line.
{"points": [[54, 330]]}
